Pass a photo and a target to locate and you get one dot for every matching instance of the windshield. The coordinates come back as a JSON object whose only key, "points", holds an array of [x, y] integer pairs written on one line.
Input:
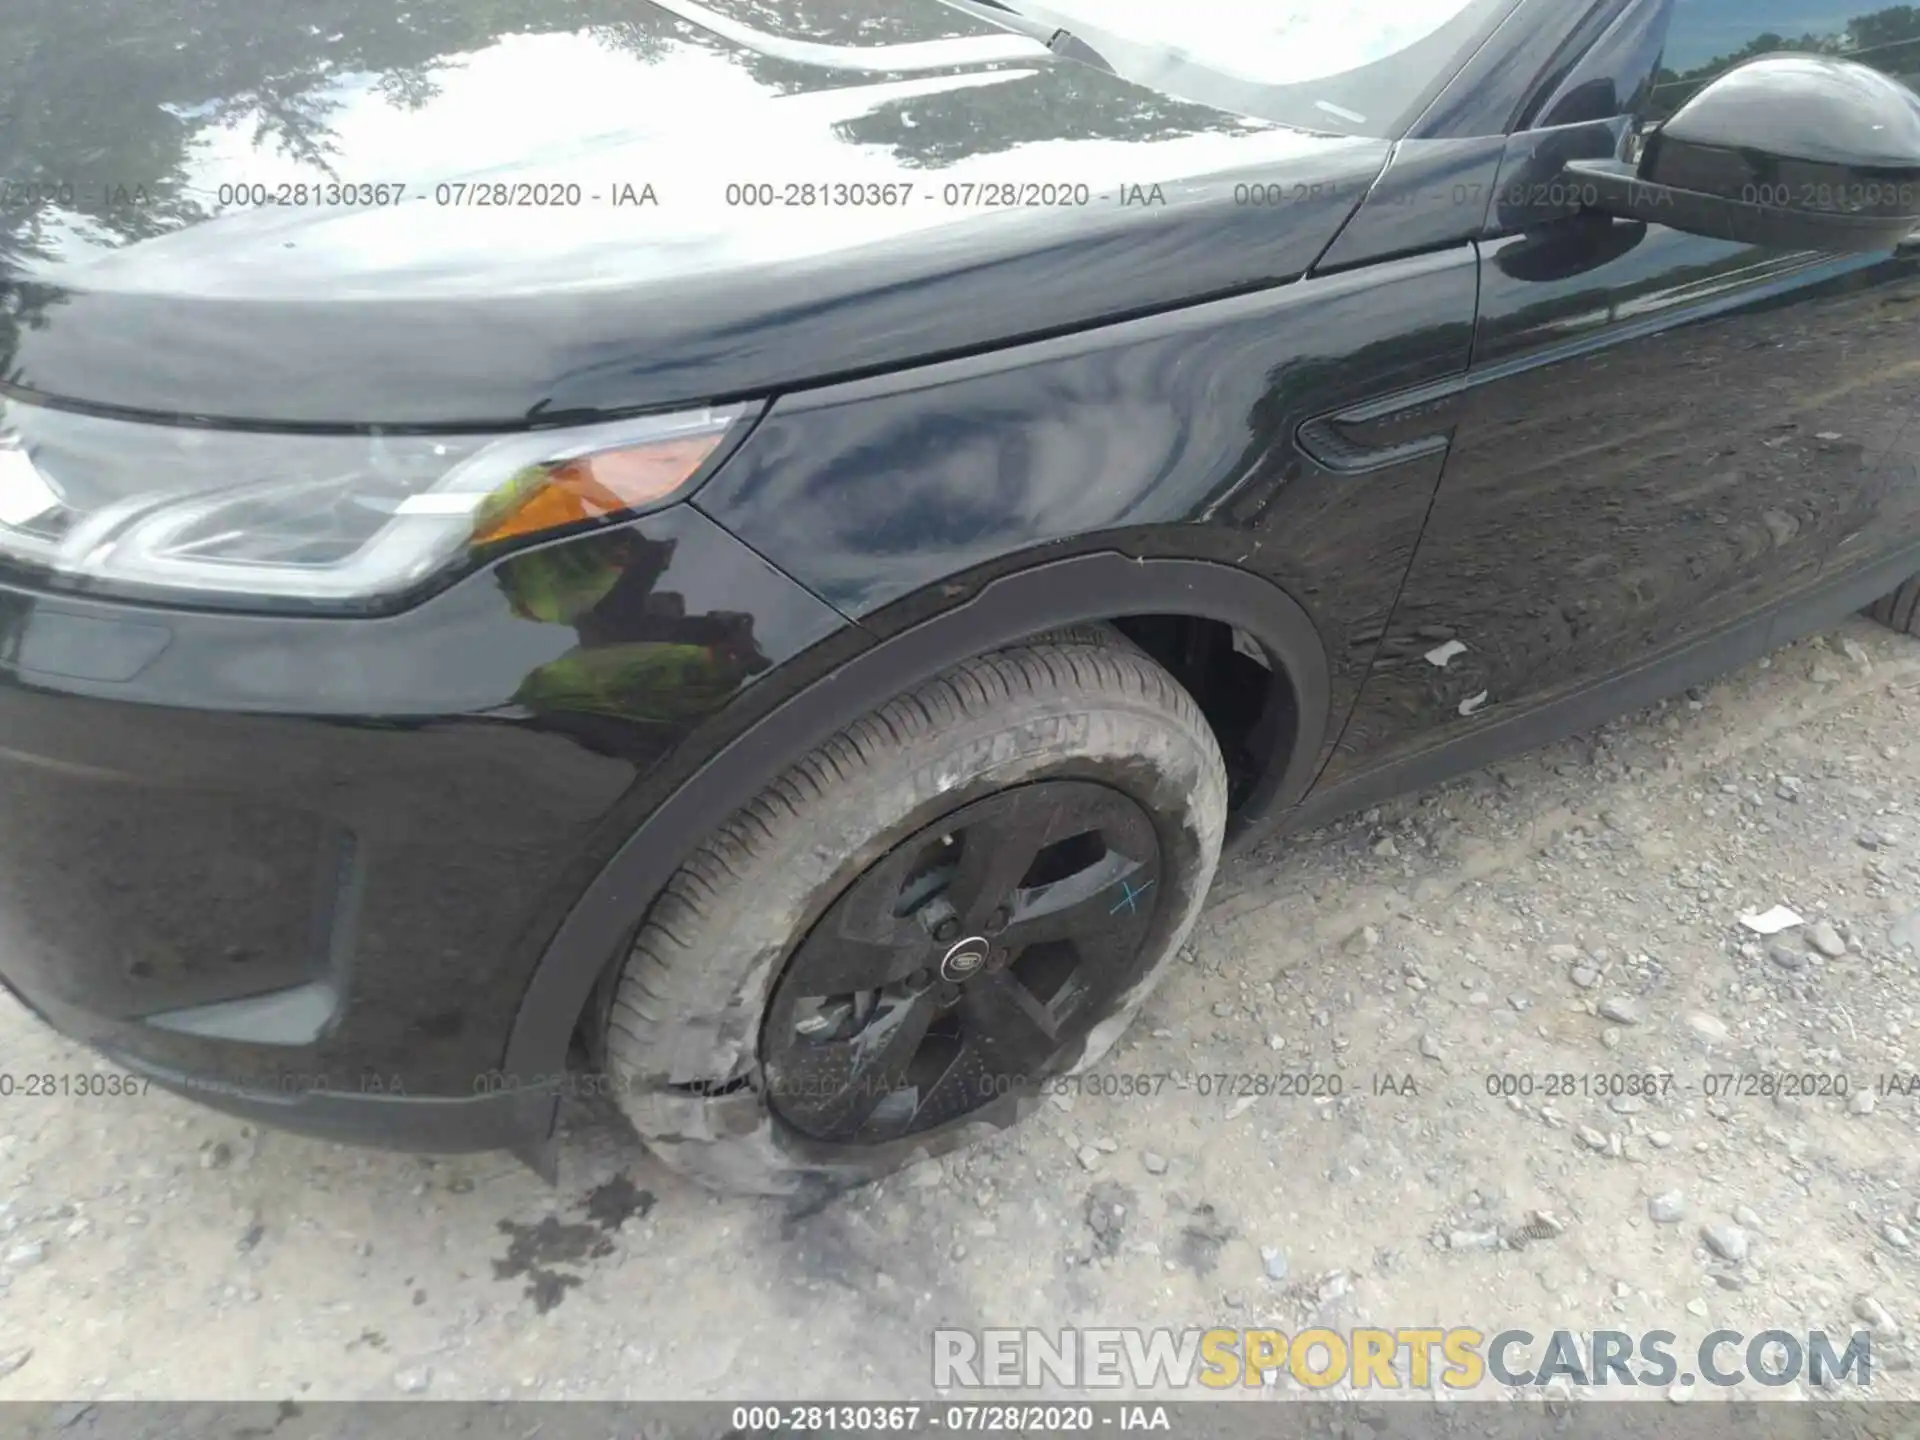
{"points": [[1358, 67]]}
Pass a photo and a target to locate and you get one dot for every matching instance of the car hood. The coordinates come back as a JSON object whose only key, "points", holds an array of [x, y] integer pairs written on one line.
{"points": [[697, 202]]}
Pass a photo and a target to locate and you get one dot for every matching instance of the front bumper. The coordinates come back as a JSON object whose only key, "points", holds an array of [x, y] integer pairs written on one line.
{"points": [[304, 869], [518, 1120]]}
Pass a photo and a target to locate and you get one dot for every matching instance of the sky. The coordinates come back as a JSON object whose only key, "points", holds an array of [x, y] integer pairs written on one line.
{"points": [[1705, 29]]}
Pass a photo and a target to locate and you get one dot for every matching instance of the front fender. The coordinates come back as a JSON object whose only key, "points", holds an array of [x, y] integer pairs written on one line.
{"points": [[1098, 586]]}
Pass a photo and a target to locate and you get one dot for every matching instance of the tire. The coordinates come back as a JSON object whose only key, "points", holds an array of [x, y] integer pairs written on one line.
{"points": [[1900, 610], [702, 1043]]}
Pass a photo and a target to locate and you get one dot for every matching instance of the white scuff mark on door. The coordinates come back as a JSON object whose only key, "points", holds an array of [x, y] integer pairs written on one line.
{"points": [[1467, 707], [1443, 655]]}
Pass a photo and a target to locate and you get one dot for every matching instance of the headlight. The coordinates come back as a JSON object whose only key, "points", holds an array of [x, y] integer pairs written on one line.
{"points": [[339, 521]]}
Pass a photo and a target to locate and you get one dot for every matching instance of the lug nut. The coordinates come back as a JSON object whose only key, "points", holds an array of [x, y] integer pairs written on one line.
{"points": [[997, 922], [920, 979], [947, 929]]}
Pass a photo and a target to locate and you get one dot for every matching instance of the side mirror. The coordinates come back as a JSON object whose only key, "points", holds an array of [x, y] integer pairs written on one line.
{"points": [[1800, 152]]}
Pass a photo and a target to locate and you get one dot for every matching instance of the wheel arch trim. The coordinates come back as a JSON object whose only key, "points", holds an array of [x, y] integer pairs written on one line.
{"points": [[1101, 586]]}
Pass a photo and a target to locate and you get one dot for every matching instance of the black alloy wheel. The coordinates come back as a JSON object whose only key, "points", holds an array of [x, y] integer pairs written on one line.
{"points": [[956, 968]]}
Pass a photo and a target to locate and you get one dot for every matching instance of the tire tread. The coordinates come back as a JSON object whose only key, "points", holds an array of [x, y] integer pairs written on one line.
{"points": [[1901, 610]]}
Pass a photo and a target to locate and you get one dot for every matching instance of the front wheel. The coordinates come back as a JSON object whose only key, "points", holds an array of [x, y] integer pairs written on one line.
{"points": [[887, 953]]}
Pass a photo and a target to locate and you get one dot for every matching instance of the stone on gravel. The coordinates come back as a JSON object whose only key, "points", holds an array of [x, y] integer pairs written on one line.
{"points": [[927, 1176], [1429, 1047], [1089, 1157], [1749, 1218], [1333, 1285], [1862, 1103], [1895, 1236], [1708, 1029], [1876, 1315], [12, 1360], [1771, 922], [1786, 956], [1729, 1242], [1667, 1208], [1275, 1260], [27, 1252], [413, 1381], [1153, 1162], [1473, 1240], [1620, 1009], [1824, 938], [1585, 976]]}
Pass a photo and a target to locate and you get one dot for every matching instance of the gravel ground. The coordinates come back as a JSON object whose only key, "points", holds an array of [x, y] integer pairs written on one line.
{"points": [[1576, 911]]}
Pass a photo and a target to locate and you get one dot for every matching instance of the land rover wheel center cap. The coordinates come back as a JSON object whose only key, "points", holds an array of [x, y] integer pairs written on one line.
{"points": [[964, 960]]}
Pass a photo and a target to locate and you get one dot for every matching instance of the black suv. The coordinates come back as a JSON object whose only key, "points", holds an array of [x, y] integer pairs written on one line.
{"points": [[752, 555]]}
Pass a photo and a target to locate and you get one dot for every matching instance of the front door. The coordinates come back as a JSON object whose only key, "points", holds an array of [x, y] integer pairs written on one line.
{"points": [[1662, 433]]}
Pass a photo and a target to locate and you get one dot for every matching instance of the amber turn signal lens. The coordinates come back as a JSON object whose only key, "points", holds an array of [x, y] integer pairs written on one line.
{"points": [[589, 487]]}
